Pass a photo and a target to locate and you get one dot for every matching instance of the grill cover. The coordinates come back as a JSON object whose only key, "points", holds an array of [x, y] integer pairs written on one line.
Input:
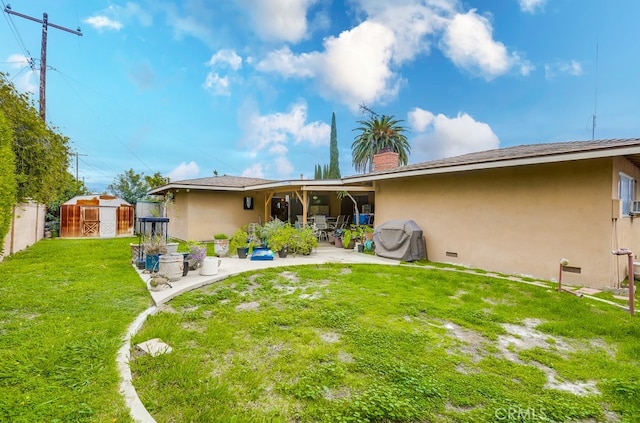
{"points": [[400, 240]]}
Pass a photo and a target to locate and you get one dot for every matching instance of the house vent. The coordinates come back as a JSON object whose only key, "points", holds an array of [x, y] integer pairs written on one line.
{"points": [[572, 269], [451, 254]]}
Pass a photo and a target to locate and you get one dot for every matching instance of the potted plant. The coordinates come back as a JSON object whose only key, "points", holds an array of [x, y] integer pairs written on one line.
{"points": [[265, 231], [241, 242], [154, 246], [197, 253], [304, 241], [282, 238], [338, 234], [221, 244]]}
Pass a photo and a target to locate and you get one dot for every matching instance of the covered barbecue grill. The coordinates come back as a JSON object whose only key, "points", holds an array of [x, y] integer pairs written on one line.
{"points": [[400, 240]]}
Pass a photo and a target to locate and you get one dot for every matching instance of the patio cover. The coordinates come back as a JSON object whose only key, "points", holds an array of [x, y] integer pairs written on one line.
{"points": [[400, 240]]}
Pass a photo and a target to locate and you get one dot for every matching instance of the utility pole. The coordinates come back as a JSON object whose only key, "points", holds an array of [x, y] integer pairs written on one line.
{"points": [[78, 154], [43, 53]]}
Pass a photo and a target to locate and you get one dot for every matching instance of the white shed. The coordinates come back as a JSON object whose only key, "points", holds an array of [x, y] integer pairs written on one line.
{"points": [[96, 216]]}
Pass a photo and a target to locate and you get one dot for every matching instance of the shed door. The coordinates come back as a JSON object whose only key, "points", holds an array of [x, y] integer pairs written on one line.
{"points": [[107, 222], [89, 221]]}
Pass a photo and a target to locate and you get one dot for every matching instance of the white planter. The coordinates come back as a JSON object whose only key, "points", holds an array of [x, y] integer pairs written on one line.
{"points": [[172, 247], [171, 266], [221, 247], [210, 266]]}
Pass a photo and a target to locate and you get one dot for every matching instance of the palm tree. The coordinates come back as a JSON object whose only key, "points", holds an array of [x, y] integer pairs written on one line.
{"points": [[376, 134]]}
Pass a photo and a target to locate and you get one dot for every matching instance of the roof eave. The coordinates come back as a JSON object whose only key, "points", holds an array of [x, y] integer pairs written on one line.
{"points": [[522, 161]]}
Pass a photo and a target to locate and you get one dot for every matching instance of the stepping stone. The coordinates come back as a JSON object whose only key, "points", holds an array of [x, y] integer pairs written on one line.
{"points": [[154, 347]]}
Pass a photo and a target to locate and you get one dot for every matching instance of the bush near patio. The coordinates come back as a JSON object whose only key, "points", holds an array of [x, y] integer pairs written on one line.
{"points": [[370, 343], [64, 307]]}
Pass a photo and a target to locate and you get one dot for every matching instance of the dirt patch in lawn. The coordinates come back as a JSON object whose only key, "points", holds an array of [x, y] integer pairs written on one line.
{"points": [[521, 338]]}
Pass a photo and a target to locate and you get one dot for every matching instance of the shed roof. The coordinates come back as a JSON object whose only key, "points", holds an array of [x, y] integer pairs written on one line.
{"points": [[97, 200]]}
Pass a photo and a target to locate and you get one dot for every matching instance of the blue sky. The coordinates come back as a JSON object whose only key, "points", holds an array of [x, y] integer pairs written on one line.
{"points": [[247, 87]]}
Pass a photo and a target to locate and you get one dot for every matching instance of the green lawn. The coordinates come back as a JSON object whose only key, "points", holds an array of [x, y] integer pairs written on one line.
{"points": [[365, 343], [314, 343], [64, 307]]}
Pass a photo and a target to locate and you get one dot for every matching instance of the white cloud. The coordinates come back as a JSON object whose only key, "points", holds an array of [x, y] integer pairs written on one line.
{"points": [[273, 133], [112, 17], [366, 48], [262, 131], [190, 19], [468, 42], [216, 84], [226, 57], [571, 67], [389, 35], [25, 80], [287, 64], [279, 20], [254, 171], [412, 22], [369, 43], [185, 171], [419, 119], [283, 166], [103, 23], [531, 6], [440, 136]]}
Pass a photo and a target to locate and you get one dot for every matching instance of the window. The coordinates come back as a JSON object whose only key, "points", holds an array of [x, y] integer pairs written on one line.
{"points": [[626, 191]]}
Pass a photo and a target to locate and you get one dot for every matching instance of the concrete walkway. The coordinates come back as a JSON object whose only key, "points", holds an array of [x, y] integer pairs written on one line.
{"points": [[229, 266]]}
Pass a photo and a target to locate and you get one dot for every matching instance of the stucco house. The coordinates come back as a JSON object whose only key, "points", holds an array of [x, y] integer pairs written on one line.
{"points": [[516, 210]]}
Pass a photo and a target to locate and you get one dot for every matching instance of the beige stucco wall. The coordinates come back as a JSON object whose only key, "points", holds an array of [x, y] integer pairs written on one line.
{"points": [[198, 215], [520, 220], [27, 227], [625, 230]]}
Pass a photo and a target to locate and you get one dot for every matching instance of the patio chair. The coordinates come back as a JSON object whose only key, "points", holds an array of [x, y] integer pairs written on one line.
{"points": [[320, 223], [340, 221]]}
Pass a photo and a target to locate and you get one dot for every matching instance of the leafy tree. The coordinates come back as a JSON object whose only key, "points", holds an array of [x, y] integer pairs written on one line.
{"points": [[317, 172], [42, 155], [130, 186], [7, 178], [378, 133], [334, 161], [325, 172], [155, 181]]}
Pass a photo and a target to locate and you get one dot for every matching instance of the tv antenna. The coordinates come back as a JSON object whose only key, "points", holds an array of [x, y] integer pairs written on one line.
{"points": [[595, 105]]}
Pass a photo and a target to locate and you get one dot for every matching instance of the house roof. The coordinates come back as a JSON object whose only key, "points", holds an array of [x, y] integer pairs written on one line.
{"points": [[514, 156], [220, 183], [500, 157]]}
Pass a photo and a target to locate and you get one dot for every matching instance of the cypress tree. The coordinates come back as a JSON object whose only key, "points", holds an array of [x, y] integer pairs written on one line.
{"points": [[334, 162]]}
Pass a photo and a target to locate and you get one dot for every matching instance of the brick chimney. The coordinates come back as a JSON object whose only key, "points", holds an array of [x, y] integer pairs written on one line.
{"points": [[384, 161]]}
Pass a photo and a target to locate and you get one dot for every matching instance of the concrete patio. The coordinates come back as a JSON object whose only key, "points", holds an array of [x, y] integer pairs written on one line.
{"points": [[229, 266]]}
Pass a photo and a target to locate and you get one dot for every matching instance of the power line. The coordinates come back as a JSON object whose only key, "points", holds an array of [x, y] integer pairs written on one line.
{"points": [[16, 35], [43, 52]]}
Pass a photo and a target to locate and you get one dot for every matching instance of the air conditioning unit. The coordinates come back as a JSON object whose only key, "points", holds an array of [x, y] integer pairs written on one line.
{"points": [[635, 208]]}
